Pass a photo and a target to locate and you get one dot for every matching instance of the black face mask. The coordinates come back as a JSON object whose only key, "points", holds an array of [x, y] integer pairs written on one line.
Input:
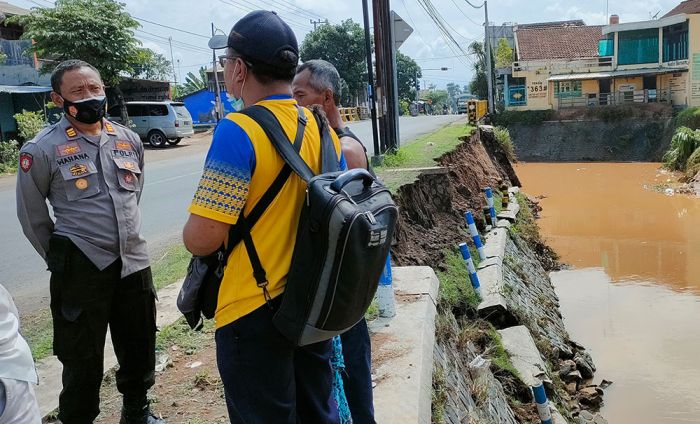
{"points": [[87, 111]]}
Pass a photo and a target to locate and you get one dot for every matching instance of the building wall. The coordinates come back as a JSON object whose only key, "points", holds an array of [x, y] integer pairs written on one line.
{"points": [[636, 82], [694, 58], [678, 84]]}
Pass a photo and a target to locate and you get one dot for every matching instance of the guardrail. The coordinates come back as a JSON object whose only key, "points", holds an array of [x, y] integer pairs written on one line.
{"points": [[351, 114]]}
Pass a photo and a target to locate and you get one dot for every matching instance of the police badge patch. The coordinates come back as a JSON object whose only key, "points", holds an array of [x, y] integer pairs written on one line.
{"points": [[25, 161], [78, 170]]}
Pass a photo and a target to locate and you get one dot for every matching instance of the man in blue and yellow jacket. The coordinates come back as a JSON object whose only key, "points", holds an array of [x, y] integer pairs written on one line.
{"points": [[267, 379]]}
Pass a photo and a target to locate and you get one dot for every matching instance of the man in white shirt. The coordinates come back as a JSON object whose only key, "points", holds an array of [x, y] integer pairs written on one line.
{"points": [[17, 372]]}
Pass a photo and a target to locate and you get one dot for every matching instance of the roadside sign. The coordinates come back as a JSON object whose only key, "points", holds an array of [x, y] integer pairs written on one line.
{"points": [[401, 29]]}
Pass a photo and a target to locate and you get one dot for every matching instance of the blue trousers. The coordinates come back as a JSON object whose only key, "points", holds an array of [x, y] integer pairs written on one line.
{"points": [[267, 379], [357, 378]]}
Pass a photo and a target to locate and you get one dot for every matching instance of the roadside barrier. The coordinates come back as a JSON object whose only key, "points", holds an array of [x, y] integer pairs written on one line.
{"points": [[487, 216], [385, 292], [353, 114], [492, 209], [542, 404], [505, 196], [471, 268], [475, 235]]}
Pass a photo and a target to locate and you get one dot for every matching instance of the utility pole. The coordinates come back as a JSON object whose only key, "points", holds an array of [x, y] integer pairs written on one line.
{"points": [[319, 22], [179, 69], [370, 79], [217, 90], [172, 58], [383, 44], [489, 72]]}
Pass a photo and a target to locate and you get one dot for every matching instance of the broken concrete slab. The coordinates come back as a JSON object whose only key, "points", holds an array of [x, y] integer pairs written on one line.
{"points": [[524, 355], [495, 243], [50, 369], [493, 303], [404, 381]]}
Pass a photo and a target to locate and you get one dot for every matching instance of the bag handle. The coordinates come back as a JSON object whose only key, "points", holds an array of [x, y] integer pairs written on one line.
{"points": [[350, 176]]}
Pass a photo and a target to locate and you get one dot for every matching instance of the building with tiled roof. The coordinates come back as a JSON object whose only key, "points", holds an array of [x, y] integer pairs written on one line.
{"points": [[570, 64]]}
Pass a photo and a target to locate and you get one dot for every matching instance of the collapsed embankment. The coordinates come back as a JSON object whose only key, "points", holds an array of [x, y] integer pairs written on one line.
{"points": [[467, 389]]}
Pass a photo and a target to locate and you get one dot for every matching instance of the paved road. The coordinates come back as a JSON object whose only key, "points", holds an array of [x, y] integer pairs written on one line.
{"points": [[171, 178]]}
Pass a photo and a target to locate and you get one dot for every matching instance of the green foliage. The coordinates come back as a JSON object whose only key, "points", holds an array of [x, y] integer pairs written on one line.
{"points": [[9, 156], [525, 117], [193, 83], [150, 65], [503, 138], [684, 142], [171, 266], [343, 45], [479, 84], [403, 107], [692, 167], [437, 98], [689, 117], [395, 158], [408, 73], [456, 291], [504, 54], [99, 32], [180, 334], [29, 123]]}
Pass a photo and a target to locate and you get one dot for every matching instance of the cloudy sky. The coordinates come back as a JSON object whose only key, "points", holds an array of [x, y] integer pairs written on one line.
{"points": [[190, 23]]}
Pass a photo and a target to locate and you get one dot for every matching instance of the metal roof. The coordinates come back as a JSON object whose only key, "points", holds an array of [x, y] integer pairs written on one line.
{"points": [[610, 74], [24, 89]]}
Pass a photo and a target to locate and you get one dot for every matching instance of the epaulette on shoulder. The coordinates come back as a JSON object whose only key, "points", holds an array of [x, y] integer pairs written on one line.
{"points": [[43, 134], [122, 126]]}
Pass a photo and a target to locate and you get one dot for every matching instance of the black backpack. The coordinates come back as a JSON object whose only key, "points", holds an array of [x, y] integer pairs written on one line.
{"points": [[343, 239]]}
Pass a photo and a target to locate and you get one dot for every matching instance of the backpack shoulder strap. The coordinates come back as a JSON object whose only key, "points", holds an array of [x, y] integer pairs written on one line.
{"points": [[329, 157], [279, 140]]}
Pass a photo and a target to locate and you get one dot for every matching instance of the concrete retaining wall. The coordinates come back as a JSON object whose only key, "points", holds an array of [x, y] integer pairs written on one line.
{"points": [[628, 140]]}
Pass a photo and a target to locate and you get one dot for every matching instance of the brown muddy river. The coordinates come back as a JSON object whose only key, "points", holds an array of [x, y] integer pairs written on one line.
{"points": [[633, 295]]}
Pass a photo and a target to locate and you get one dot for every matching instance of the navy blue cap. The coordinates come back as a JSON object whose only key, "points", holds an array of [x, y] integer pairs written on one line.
{"points": [[261, 36]]}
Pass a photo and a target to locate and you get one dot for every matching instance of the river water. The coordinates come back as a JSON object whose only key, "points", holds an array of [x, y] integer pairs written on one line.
{"points": [[632, 296]]}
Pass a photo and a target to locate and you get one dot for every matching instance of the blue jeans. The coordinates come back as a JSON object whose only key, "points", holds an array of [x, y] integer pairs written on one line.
{"points": [[357, 378], [267, 379]]}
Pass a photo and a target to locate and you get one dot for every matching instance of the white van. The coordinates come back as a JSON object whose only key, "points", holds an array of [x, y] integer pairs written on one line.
{"points": [[157, 122]]}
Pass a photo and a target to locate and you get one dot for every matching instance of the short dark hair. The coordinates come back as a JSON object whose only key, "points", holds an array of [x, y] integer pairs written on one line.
{"points": [[267, 74], [323, 76], [65, 66]]}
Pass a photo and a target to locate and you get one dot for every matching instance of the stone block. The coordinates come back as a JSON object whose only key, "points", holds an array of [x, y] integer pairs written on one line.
{"points": [[524, 355], [495, 243], [404, 380]]}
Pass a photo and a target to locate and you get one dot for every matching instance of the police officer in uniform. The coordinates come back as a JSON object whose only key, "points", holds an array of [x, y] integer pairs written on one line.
{"points": [[91, 171]]}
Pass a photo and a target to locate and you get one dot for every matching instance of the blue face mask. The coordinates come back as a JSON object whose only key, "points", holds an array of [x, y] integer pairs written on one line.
{"points": [[236, 102]]}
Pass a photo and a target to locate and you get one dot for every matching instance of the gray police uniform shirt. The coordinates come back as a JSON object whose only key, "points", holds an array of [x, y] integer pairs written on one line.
{"points": [[93, 185]]}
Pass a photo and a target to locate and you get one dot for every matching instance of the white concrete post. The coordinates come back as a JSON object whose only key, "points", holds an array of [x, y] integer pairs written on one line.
{"points": [[385, 292], [475, 235], [471, 268]]}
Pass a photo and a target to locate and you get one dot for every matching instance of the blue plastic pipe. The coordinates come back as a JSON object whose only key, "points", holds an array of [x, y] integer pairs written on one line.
{"points": [[542, 404], [492, 209], [470, 267], [476, 238]]}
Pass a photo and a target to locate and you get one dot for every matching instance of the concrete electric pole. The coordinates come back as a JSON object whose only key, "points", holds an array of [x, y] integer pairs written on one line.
{"points": [[487, 48]]}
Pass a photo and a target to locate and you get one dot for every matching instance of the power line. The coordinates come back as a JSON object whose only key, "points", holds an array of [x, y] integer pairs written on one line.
{"points": [[169, 27], [410, 18], [465, 15], [177, 42], [294, 6], [475, 7], [252, 7], [452, 44]]}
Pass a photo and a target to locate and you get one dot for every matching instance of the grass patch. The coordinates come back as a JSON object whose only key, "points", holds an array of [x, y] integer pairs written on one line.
{"points": [[503, 138], [498, 355], [373, 310], [180, 334], [439, 401], [171, 266], [456, 291], [689, 117], [419, 153]]}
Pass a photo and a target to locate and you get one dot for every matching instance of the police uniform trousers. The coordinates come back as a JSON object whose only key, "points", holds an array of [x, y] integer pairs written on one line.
{"points": [[84, 301]]}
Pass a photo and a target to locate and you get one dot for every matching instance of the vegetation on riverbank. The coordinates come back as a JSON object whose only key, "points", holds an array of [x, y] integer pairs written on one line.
{"points": [[684, 152]]}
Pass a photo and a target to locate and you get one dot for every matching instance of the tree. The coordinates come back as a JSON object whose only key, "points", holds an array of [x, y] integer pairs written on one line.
{"points": [[479, 85], [453, 90], [99, 32], [148, 64], [342, 45], [193, 82], [407, 76], [504, 54], [437, 99]]}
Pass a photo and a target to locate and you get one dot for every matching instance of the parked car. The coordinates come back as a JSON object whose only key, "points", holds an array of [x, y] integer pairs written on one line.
{"points": [[157, 122]]}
